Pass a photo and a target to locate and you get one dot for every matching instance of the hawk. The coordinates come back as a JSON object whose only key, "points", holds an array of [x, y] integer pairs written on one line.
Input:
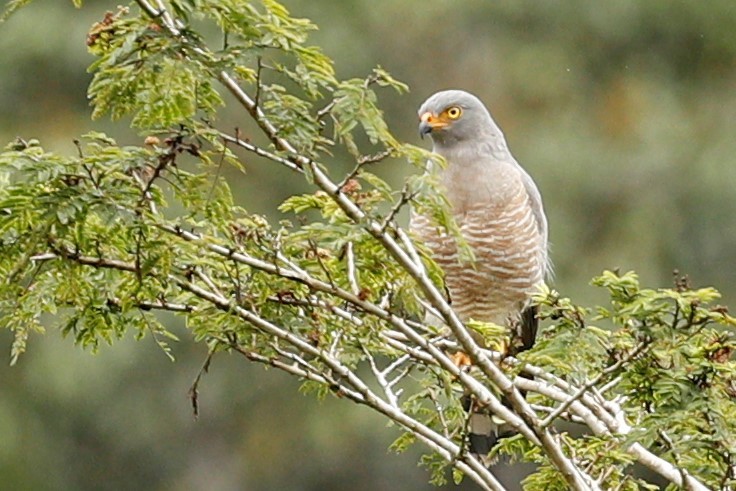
{"points": [[499, 212]]}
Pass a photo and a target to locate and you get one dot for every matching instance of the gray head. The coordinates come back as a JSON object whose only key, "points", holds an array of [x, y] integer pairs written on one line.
{"points": [[454, 116]]}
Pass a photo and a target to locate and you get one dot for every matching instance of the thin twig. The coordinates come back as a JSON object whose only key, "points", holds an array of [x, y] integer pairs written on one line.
{"points": [[593, 382], [318, 256], [207, 281], [405, 198], [220, 165], [194, 388], [361, 162], [325, 110], [440, 414], [259, 67], [260, 152], [380, 378]]}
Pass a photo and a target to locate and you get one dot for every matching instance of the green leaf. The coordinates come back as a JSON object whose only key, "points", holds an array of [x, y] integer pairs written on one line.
{"points": [[12, 6]]}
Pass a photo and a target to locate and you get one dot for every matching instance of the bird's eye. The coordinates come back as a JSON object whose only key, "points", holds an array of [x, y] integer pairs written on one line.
{"points": [[454, 112]]}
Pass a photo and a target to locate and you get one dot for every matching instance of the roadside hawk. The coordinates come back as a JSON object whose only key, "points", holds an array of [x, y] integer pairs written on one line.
{"points": [[499, 212]]}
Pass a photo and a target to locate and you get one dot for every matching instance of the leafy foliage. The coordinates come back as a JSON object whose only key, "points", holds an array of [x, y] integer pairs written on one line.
{"points": [[667, 357], [96, 243]]}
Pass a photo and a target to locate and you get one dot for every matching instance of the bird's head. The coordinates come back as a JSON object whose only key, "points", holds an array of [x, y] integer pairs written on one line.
{"points": [[453, 116]]}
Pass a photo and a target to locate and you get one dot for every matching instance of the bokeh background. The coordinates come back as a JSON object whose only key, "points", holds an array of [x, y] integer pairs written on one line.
{"points": [[624, 112]]}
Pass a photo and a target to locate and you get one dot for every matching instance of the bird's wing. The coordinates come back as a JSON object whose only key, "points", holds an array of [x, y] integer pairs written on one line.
{"points": [[535, 200]]}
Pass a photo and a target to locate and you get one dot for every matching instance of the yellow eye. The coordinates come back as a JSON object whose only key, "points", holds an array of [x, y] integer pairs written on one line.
{"points": [[454, 112]]}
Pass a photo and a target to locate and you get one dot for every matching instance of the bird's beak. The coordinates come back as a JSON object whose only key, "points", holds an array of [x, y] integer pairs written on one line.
{"points": [[424, 129], [428, 122]]}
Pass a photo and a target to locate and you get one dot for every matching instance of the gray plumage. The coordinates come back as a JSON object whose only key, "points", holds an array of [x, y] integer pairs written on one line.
{"points": [[499, 211]]}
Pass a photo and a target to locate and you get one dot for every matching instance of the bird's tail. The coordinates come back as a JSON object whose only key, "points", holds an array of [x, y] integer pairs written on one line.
{"points": [[482, 437], [484, 431]]}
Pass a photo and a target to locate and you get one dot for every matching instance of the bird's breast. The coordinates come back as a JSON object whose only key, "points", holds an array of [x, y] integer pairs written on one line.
{"points": [[509, 255]]}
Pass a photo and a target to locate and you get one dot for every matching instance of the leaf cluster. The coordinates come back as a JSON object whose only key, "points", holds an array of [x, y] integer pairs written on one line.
{"points": [[667, 355]]}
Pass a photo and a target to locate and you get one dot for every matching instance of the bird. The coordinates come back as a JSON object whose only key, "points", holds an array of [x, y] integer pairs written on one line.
{"points": [[499, 213]]}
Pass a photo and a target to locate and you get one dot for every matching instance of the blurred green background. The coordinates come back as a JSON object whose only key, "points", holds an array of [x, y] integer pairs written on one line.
{"points": [[623, 112]]}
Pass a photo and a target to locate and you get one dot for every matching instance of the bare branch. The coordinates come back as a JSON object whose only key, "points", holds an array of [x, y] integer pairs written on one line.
{"points": [[381, 379], [207, 281], [260, 151], [359, 393], [604, 421], [405, 198], [160, 304], [363, 160], [593, 382], [485, 396], [352, 277]]}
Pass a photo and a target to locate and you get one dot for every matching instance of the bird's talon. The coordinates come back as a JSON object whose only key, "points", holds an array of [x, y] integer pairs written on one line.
{"points": [[461, 359]]}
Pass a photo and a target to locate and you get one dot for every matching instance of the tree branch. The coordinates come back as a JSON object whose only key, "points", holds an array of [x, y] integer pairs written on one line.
{"points": [[294, 353], [592, 383]]}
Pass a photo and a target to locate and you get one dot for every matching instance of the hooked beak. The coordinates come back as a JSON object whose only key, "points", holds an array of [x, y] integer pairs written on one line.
{"points": [[424, 129], [429, 122]]}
